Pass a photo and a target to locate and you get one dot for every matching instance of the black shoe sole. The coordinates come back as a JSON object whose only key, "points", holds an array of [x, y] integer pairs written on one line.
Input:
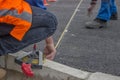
{"points": [[94, 27]]}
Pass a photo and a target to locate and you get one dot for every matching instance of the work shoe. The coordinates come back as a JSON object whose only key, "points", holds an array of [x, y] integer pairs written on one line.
{"points": [[2, 73], [96, 24], [114, 16]]}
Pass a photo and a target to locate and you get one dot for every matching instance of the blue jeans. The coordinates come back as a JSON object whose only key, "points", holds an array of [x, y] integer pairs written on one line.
{"points": [[108, 7], [43, 25]]}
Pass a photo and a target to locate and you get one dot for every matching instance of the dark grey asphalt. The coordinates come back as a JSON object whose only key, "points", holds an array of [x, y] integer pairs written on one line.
{"points": [[89, 50]]}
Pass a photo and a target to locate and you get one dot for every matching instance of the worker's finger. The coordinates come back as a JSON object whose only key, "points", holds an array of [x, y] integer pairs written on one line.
{"points": [[50, 56]]}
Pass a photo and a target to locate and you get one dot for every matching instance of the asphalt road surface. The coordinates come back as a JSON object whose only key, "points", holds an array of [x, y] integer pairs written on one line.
{"points": [[81, 48]]}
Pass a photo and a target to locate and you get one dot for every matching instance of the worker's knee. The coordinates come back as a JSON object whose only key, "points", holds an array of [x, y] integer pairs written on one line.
{"points": [[52, 22]]}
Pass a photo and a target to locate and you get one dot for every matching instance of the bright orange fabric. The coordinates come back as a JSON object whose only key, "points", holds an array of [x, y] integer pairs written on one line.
{"points": [[21, 26], [15, 4]]}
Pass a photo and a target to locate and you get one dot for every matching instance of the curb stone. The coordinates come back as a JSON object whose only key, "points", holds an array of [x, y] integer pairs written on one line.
{"points": [[56, 71]]}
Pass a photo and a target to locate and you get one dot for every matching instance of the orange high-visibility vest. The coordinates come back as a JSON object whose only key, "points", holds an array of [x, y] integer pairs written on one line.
{"points": [[18, 13]]}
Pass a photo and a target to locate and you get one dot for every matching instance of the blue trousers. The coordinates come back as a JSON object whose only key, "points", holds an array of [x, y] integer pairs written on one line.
{"points": [[43, 25], [108, 7]]}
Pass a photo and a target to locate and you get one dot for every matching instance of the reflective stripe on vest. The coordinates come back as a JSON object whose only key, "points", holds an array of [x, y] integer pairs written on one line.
{"points": [[24, 15]]}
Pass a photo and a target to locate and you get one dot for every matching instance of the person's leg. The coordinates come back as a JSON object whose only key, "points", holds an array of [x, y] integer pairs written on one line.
{"points": [[113, 10], [43, 25], [113, 7], [102, 17], [104, 11]]}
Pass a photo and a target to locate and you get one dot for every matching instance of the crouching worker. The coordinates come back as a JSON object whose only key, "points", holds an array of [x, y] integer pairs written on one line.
{"points": [[22, 25]]}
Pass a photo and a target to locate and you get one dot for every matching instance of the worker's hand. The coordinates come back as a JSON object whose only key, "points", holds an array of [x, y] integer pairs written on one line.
{"points": [[50, 51], [90, 9]]}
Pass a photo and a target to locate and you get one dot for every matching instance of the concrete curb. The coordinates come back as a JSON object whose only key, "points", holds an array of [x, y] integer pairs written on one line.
{"points": [[55, 71], [102, 76]]}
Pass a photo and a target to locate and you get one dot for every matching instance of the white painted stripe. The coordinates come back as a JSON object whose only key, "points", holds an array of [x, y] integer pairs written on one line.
{"points": [[68, 24]]}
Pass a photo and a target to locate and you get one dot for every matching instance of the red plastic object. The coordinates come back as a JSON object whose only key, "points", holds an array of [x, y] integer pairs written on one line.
{"points": [[26, 68], [34, 47]]}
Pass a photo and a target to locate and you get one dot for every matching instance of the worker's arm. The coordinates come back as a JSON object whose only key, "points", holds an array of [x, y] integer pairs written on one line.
{"points": [[50, 50]]}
